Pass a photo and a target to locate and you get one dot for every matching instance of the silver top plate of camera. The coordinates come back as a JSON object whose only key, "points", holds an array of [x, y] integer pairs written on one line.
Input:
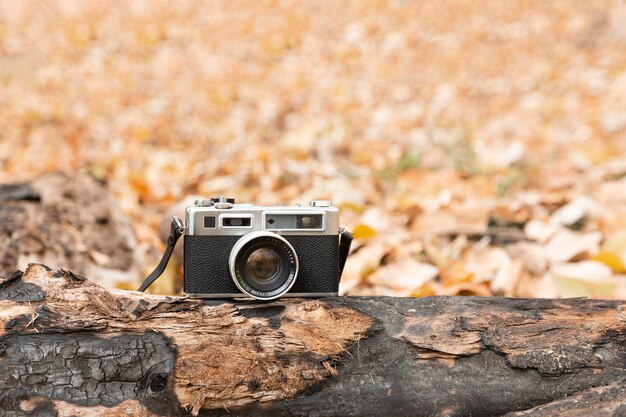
{"points": [[221, 216]]}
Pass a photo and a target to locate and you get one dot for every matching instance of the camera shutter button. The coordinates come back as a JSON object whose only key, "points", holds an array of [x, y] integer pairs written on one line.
{"points": [[223, 202]]}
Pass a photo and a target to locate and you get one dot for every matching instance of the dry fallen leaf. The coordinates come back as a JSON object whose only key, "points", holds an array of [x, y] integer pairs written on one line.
{"points": [[583, 279], [566, 245], [407, 274], [533, 257], [573, 212], [540, 231]]}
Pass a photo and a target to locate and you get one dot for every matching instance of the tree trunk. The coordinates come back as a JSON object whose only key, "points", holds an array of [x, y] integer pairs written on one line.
{"points": [[69, 347]]}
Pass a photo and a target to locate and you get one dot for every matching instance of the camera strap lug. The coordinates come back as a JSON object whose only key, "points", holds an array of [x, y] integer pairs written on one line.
{"points": [[177, 229]]}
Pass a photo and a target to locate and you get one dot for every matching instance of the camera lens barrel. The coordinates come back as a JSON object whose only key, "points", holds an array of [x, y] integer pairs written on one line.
{"points": [[263, 265]]}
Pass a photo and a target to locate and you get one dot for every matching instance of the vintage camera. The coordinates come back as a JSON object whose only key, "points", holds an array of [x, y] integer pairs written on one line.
{"points": [[242, 250]]}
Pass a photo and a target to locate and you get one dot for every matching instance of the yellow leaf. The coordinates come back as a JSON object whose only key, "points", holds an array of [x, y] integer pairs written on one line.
{"points": [[455, 272], [363, 231], [357, 208], [611, 259], [613, 253], [423, 291]]}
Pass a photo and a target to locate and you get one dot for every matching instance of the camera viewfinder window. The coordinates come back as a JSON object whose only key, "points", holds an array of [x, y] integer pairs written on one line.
{"points": [[236, 222]]}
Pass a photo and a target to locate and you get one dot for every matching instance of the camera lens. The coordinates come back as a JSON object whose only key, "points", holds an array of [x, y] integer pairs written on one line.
{"points": [[263, 265]]}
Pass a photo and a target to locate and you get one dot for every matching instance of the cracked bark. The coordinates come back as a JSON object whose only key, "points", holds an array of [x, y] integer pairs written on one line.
{"points": [[69, 347]]}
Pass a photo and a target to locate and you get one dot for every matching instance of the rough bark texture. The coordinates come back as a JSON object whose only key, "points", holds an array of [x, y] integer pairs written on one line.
{"points": [[59, 219], [69, 347]]}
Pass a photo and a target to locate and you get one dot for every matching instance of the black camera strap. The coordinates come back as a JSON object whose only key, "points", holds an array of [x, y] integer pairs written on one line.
{"points": [[345, 241], [177, 229]]}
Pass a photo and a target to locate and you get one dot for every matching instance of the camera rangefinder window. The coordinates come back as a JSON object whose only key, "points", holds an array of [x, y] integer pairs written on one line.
{"points": [[236, 222], [309, 221]]}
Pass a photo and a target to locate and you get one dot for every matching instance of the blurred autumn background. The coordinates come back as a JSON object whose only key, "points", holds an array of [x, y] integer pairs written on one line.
{"points": [[474, 147]]}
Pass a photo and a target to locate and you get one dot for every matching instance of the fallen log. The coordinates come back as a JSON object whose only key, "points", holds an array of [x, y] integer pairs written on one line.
{"points": [[59, 219], [69, 347]]}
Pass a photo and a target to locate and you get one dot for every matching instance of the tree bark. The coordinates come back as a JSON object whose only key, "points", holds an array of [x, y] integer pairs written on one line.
{"points": [[69, 347]]}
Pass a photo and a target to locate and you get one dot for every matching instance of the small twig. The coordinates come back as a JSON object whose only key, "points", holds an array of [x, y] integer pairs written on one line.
{"points": [[330, 368]]}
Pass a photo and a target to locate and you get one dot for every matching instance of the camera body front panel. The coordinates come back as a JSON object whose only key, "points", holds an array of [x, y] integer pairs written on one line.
{"points": [[207, 273]]}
